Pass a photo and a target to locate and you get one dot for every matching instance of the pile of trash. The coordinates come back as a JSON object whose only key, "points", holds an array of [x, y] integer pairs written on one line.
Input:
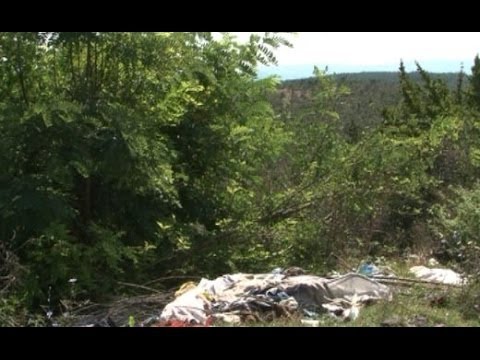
{"points": [[237, 298], [240, 298]]}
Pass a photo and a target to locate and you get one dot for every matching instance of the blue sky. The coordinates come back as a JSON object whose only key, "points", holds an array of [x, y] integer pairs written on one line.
{"points": [[373, 51]]}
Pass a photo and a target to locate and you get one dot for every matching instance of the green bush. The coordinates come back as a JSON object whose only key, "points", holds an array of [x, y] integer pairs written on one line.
{"points": [[55, 257], [13, 313], [457, 228]]}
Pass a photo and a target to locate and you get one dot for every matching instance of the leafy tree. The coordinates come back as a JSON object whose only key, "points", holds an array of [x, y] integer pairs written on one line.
{"points": [[120, 151], [475, 84]]}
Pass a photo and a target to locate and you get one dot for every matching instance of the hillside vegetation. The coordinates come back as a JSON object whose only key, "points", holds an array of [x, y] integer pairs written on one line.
{"points": [[128, 157]]}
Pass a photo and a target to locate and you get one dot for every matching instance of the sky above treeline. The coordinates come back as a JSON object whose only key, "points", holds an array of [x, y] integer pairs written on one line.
{"points": [[372, 51]]}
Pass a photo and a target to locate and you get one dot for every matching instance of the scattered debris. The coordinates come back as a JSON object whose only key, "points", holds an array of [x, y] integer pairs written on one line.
{"points": [[145, 309], [184, 288], [313, 323], [344, 309], [368, 269], [283, 293], [433, 262], [294, 271]]}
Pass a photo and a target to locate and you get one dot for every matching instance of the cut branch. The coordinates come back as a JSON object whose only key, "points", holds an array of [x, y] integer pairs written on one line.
{"points": [[139, 287]]}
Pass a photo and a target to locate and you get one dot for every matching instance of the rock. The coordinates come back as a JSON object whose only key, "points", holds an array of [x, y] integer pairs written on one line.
{"points": [[438, 300], [418, 321], [394, 321]]}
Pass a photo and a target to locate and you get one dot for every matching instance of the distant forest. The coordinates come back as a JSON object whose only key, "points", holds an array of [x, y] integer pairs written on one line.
{"points": [[369, 93]]}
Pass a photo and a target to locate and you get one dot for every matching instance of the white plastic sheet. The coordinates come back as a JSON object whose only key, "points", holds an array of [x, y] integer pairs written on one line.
{"points": [[444, 276]]}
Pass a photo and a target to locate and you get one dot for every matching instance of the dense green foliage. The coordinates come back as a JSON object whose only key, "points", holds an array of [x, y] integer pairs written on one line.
{"points": [[126, 157], [122, 153]]}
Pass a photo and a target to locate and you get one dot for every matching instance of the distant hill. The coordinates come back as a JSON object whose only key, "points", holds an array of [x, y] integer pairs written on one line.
{"points": [[299, 71], [376, 76], [370, 93]]}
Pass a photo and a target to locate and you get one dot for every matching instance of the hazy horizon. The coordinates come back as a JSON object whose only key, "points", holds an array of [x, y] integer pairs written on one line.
{"points": [[372, 52], [289, 72]]}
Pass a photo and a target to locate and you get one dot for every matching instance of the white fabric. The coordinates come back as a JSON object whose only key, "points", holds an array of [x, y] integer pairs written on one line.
{"points": [[444, 276], [189, 307], [362, 287]]}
